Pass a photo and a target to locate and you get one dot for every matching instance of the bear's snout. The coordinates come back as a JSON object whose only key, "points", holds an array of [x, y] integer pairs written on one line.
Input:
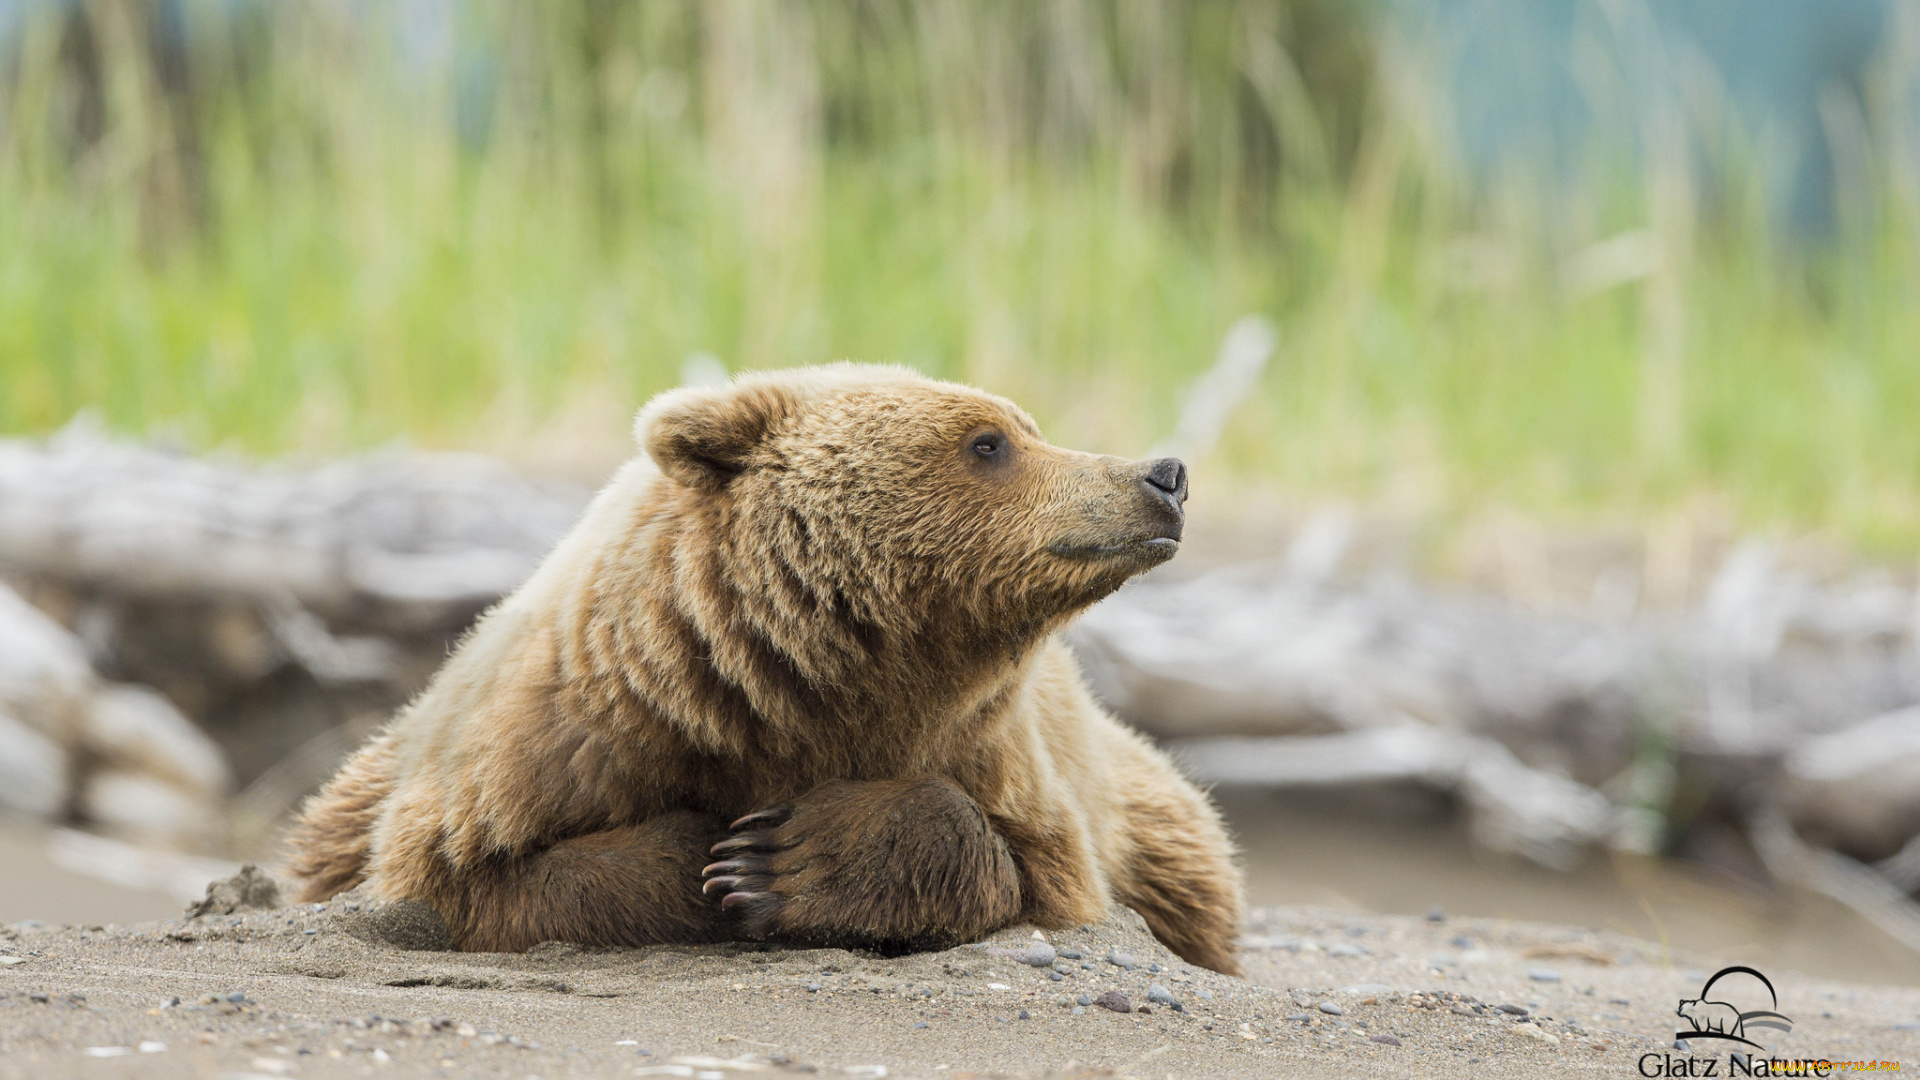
{"points": [[1165, 486], [1168, 478]]}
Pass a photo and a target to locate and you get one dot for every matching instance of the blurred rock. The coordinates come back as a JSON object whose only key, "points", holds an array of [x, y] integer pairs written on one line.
{"points": [[136, 729], [120, 756], [44, 671], [33, 771], [142, 806], [1858, 789]]}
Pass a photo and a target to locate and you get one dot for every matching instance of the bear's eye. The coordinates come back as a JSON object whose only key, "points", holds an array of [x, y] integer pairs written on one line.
{"points": [[989, 445]]}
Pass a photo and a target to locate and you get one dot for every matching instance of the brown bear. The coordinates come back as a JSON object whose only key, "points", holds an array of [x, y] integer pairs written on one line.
{"points": [[796, 675]]}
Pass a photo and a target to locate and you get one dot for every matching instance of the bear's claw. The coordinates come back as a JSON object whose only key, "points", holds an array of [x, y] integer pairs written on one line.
{"points": [[743, 874], [772, 815]]}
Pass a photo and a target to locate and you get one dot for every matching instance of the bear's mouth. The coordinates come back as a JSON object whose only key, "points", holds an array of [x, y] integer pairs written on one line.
{"points": [[1150, 548]]}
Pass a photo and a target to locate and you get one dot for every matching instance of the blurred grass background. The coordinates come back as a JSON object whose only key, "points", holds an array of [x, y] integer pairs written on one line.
{"points": [[311, 226]]}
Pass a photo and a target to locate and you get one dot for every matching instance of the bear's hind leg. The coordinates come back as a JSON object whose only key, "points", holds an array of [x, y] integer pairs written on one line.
{"points": [[888, 864], [637, 885], [328, 847]]}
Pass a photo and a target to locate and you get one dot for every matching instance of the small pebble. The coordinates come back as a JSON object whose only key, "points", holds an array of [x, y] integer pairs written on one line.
{"points": [[1332, 1009], [1384, 1040], [1055, 976], [1299, 1018], [1063, 1001], [1084, 999], [1160, 995], [1513, 1010], [1344, 949], [1154, 968], [1069, 954], [1681, 1045], [1208, 994], [1546, 975], [1461, 941], [1076, 1010], [1039, 954], [1618, 1001], [236, 998], [920, 1023], [1114, 1001], [1436, 914], [1537, 1034], [1024, 1016], [813, 988], [1120, 959]]}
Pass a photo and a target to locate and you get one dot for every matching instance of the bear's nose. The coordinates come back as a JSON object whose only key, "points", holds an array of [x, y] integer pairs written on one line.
{"points": [[1169, 475]]}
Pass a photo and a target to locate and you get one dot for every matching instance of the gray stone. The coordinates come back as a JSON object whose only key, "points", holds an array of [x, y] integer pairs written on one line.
{"points": [[1546, 975], [1039, 954], [1332, 1009], [1120, 959], [1160, 995]]}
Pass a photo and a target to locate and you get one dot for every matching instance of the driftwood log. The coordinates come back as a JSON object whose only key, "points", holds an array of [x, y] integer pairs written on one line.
{"points": [[286, 609]]}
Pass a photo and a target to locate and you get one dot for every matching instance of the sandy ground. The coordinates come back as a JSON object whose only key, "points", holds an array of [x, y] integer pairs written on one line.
{"points": [[320, 991]]}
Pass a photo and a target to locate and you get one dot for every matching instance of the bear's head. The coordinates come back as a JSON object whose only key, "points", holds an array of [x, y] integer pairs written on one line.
{"points": [[904, 503]]}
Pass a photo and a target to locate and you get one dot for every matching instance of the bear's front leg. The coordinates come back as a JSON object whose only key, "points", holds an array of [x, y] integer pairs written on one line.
{"points": [[887, 864]]}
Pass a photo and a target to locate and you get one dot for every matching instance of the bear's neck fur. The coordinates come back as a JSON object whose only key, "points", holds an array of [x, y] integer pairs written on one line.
{"points": [[709, 631]]}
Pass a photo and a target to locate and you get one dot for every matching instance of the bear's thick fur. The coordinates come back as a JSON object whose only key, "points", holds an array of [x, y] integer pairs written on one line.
{"points": [[796, 675]]}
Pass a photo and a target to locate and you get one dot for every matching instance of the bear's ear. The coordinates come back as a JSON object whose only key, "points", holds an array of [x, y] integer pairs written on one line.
{"points": [[704, 437]]}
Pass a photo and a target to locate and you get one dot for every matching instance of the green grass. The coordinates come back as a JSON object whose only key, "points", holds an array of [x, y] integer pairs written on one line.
{"points": [[293, 239]]}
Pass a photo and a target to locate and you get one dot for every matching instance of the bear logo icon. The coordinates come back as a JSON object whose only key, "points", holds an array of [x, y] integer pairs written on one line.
{"points": [[1707, 1018]]}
